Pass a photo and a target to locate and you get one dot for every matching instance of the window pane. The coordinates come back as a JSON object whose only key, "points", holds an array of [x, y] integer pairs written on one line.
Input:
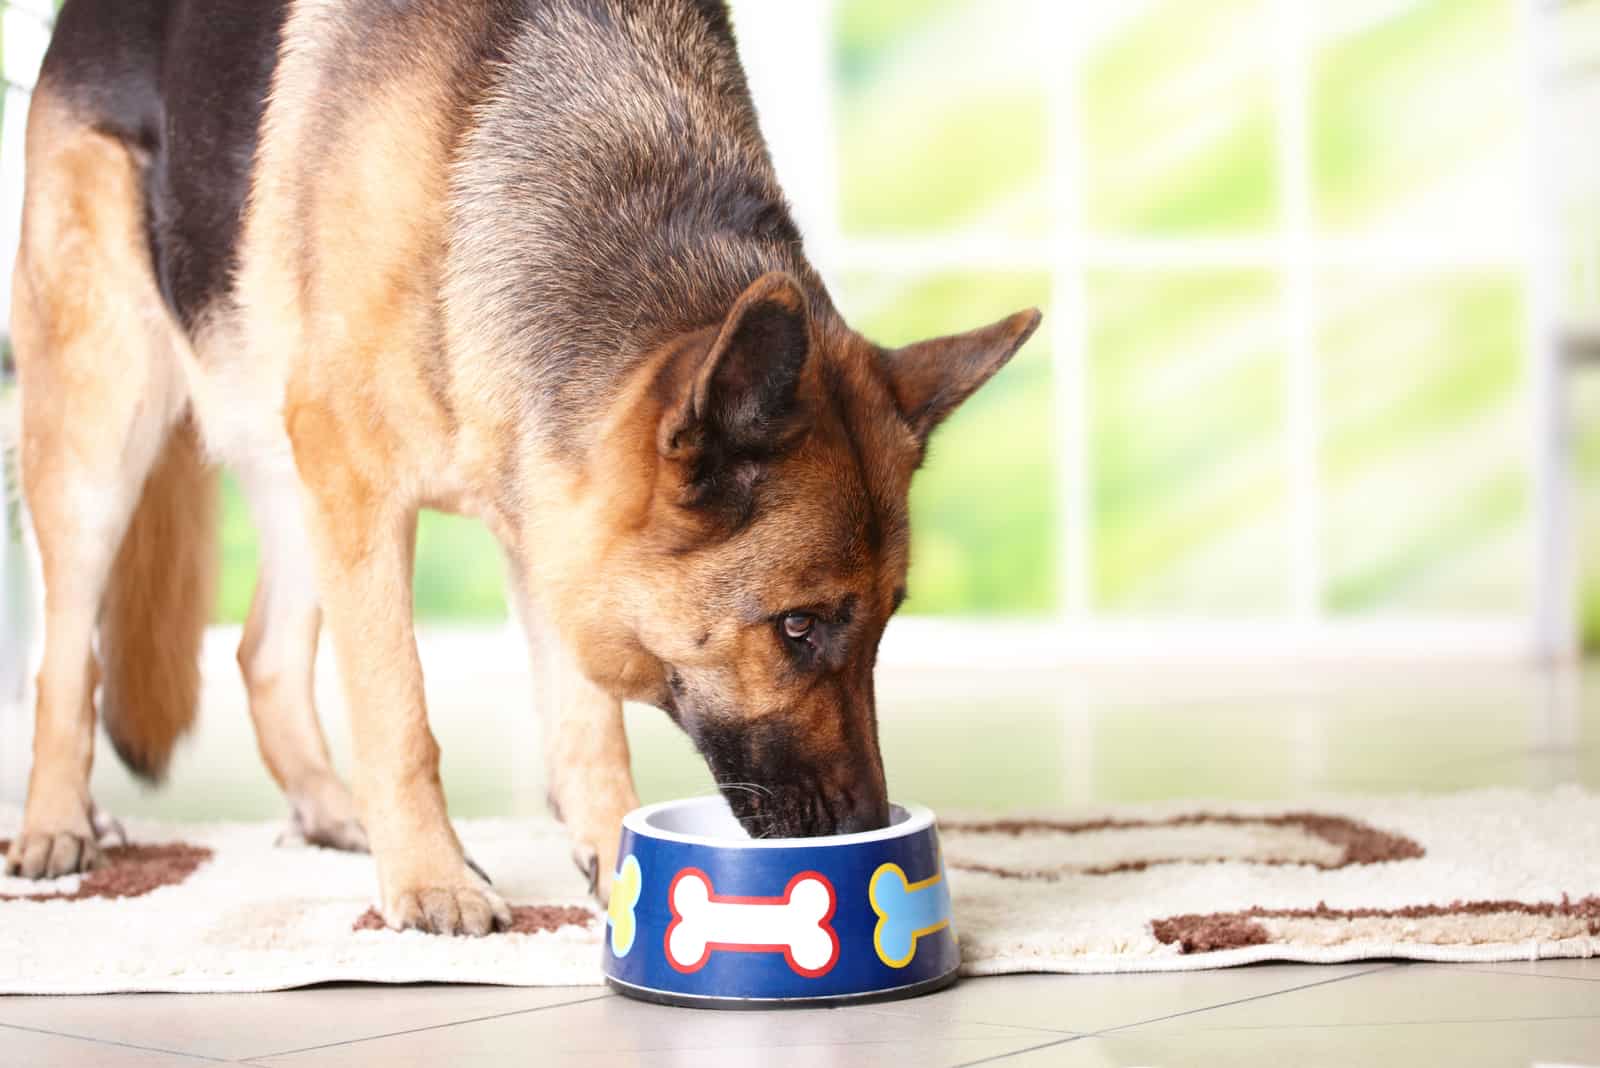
{"points": [[1425, 448], [458, 571], [1415, 116], [983, 507], [940, 116], [236, 553], [1178, 121], [1574, 95], [1188, 483]]}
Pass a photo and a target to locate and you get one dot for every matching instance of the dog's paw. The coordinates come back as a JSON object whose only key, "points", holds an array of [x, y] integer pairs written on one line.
{"points": [[593, 811], [47, 854], [345, 835], [60, 836], [451, 910], [323, 814]]}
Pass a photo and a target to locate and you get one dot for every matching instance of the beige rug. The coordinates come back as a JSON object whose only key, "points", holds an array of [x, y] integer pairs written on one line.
{"points": [[1493, 875]]}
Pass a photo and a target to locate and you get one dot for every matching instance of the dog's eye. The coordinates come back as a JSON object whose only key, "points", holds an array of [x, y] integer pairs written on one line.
{"points": [[797, 626]]}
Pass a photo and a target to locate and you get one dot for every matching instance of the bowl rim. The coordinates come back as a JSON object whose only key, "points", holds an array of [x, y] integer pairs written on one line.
{"points": [[919, 818]]}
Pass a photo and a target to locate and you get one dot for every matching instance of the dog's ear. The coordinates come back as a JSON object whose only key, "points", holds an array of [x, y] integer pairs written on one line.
{"points": [[742, 405], [931, 378]]}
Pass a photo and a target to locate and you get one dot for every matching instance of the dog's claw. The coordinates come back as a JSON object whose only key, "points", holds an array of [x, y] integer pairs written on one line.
{"points": [[481, 873], [106, 826], [588, 861]]}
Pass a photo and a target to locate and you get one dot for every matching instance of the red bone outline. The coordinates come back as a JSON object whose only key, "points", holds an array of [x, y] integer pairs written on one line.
{"points": [[826, 923]]}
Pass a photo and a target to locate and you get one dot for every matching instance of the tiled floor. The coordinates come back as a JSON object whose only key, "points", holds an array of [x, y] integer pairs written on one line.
{"points": [[1380, 1013], [1071, 738]]}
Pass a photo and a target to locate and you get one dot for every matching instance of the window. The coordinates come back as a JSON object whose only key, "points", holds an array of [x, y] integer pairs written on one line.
{"points": [[1290, 368], [1300, 288]]}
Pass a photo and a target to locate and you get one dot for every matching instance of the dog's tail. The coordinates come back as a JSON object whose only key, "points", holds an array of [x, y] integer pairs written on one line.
{"points": [[157, 601]]}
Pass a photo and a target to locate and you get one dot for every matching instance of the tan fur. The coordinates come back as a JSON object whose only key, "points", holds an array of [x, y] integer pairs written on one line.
{"points": [[372, 438], [92, 335]]}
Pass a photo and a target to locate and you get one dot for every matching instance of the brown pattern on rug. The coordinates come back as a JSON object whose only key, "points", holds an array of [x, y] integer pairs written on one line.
{"points": [[128, 871], [1355, 842], [525, 919], [1466, 922]]}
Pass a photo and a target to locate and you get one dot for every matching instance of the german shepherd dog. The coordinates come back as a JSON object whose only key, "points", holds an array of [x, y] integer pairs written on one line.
{"points": [[523, 260]]}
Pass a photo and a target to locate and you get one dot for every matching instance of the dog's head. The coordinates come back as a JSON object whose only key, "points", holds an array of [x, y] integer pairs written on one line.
{"points": [[767, 545]]}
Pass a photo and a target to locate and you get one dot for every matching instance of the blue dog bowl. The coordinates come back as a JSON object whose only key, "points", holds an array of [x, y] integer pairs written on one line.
{"points": [[702, 914]]}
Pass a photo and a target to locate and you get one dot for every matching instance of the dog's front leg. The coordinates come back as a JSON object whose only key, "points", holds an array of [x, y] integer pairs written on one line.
{"points": [[587, 770], [365, 551], [586, 765]]}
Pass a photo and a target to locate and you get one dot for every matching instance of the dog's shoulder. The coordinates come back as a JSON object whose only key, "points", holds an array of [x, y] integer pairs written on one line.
{"points": [[615, 185]]}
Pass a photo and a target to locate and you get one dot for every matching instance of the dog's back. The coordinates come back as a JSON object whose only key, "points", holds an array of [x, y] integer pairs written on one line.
{"points": [[614, 181], [598, 146]]}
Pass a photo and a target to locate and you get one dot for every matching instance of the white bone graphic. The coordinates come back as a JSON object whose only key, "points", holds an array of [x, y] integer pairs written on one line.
{"points": [[797, 924]]}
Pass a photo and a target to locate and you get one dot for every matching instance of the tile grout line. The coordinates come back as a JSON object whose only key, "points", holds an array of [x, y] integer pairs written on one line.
{"points": [[429, 1027], [112, 1042], [1026, 1049], [1256, 997], [1179, 1015], [1447, 1021], [1468, 969], [1061, 1031]]}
